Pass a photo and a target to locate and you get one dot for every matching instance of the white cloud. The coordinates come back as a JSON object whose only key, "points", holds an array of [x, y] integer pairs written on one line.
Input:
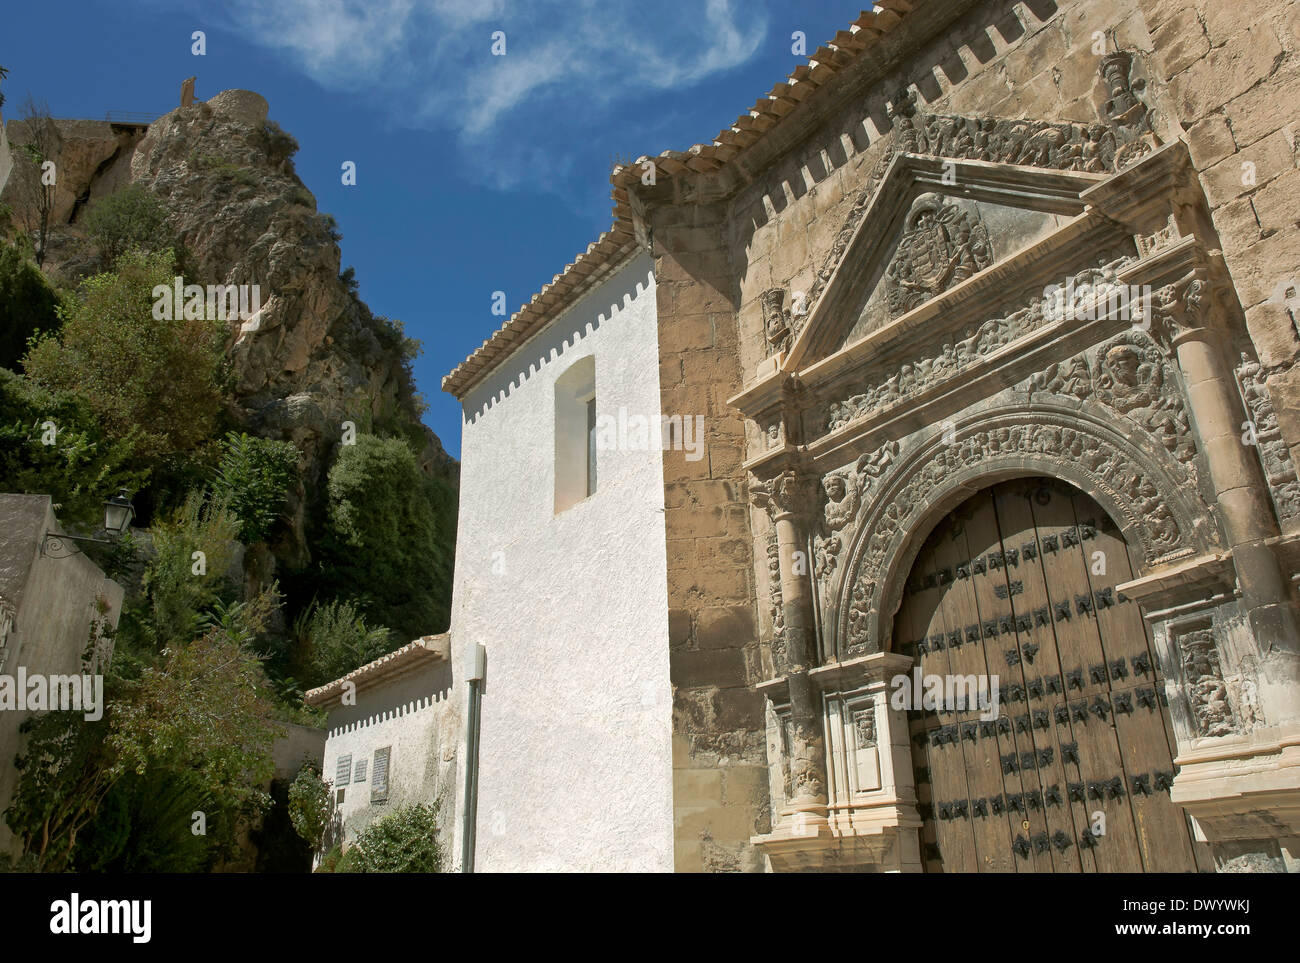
{"points": [[569, 64]]}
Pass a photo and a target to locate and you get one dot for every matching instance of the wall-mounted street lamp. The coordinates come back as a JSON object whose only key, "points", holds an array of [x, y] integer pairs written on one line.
{"points": [[118, 513]]}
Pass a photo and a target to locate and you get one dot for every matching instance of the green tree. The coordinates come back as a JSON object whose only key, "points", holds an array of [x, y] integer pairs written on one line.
{"points": [[333, 639], [28, 305], [181, 587], [198, 718], [254, 475], [133, 217], [50, 443], [389, 535], [154, 381], [42, 144]]}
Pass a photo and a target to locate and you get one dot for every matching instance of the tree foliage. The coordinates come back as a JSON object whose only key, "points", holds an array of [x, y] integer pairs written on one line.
{"points": [[388, 536], [180, 587], [254, 476], [197, 718], [132, 218], [158, 383], [42, 144], [50, 443], [311, 807], [333, 639], [28, 305]]}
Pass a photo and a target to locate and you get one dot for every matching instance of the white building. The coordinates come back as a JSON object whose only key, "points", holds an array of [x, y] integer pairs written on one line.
{"points": [[392, 735], [560, 575]]}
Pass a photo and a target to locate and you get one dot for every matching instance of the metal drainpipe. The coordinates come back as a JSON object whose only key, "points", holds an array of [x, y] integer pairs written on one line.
{"points": [[471, 759]]}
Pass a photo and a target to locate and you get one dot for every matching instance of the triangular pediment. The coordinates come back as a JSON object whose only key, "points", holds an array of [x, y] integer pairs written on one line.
{"points": [[931, 221]]}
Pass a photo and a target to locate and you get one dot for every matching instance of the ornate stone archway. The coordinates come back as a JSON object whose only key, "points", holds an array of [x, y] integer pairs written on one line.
{"points": [[1144, 493]]}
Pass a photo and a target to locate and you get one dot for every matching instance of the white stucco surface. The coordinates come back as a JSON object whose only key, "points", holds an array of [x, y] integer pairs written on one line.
{"points": [[418, 716], [575, 762]]}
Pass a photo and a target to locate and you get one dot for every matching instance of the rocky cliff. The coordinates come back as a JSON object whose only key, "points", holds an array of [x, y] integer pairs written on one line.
{"points": [[314, 356]]}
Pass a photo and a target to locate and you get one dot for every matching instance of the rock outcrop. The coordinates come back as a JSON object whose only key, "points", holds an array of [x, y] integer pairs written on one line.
{"points": [[313, 356]]}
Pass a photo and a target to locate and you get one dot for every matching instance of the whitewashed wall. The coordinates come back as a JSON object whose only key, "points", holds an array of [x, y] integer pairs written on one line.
{"points": [[418, 716], [575, 759]]}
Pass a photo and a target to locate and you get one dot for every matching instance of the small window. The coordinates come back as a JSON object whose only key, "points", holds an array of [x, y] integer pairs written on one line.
{"points": [[361, 771], [591, 445], [575, 434], [379, 781], [338, 798], [343, 774]]}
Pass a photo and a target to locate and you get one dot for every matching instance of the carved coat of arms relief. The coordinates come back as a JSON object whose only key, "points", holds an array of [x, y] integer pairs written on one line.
{"points": [[942, 245]]}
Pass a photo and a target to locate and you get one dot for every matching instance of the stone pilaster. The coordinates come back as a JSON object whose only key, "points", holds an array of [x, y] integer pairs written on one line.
{"points": [[787, 498]]}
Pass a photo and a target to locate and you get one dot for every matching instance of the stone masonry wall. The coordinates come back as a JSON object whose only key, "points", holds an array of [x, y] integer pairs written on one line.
{"points": [[719, 754], [1233, 71]]}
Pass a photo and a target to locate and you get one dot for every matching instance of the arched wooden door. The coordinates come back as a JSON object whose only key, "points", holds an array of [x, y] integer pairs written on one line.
{"points": [[1019, 583]]}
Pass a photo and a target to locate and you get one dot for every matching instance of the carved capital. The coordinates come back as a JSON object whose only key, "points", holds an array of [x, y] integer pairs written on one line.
{"points": [[1180, 308], [789, 493]]}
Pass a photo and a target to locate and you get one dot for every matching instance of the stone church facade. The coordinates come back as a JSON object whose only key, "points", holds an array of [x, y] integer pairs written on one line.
{"points": [[990, 314]]}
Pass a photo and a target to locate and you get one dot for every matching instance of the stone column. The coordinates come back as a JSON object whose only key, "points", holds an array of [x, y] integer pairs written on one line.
{"points": [[1239, 488], [787, 498], [1243, 787]]}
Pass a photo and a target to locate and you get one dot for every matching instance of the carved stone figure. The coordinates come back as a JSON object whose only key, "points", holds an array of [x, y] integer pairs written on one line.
{"points": [[942, 246], [776, 321], [1066, 378], [1274, 456], [1131, 378], [776, 602], [844, 493], [1203, 684]]}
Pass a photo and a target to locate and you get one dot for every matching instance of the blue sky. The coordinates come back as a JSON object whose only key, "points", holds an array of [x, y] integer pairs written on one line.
{"points": [[475, 173]]}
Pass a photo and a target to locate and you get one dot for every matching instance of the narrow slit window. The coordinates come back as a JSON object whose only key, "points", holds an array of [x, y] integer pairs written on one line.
{"points": [[591, 445], [576, 453]]}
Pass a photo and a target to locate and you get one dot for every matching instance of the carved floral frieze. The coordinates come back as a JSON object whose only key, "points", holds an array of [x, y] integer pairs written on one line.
{"points": [[887, 385]]}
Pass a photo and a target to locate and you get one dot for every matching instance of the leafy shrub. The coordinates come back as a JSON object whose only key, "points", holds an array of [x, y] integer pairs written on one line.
{"points": [[330, 226], [311, 808], [404, 841], [28, 305], [178, 598], [254, 476], [334, 639], [130, 218], [280, 144], [389, 537]]}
